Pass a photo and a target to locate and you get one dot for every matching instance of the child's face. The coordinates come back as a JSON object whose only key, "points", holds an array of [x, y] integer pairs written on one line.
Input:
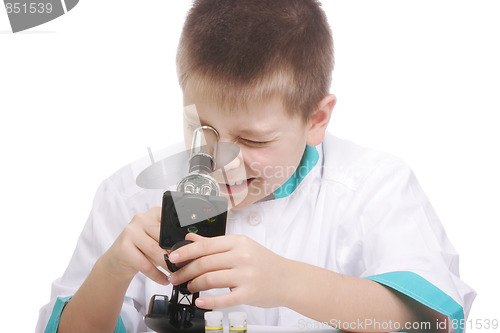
{"points": [[271, 145]]}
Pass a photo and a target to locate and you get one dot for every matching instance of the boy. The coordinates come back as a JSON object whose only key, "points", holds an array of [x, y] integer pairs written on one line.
{"points": [[320, 230]]}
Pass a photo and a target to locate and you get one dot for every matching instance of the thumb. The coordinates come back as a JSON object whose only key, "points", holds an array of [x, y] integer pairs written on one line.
{"points": [[194, 237]]}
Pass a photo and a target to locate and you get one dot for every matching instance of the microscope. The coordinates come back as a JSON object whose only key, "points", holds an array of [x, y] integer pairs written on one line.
{"points": [[195, 207]]}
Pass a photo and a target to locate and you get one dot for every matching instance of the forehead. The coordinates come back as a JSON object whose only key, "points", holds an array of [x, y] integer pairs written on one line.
{"points": [[254, 116], [230, 97]]}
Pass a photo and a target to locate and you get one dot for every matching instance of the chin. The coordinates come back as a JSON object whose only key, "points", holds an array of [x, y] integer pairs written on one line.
{"points": [[240, 201], [248, 196]]}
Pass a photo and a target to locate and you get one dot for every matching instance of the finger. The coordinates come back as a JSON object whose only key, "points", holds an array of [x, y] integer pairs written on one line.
{"points": [[234, 298], [152, 226], [200, 248], [210, 280], [150, 248], [194, 237], [149, 222], [155, 212], [147, 268], [214, 262]]}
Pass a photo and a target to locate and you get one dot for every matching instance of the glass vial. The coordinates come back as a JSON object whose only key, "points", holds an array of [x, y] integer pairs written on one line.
{"points": [[213, 322], [238, 322]]}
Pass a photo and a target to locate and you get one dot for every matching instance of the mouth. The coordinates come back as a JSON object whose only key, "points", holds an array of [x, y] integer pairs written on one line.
{"points": [[236, 186]]}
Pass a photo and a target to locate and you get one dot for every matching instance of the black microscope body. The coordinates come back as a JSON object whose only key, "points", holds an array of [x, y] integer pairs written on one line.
{"points": [[183, 213], [195, 207]]}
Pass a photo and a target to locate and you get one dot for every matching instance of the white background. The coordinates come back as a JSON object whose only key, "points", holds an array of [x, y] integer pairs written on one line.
{"points": [[88, 92]]}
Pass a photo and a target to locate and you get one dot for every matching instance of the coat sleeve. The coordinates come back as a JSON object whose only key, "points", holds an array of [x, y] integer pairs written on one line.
{"points": [[404, 246], [108, 217]]}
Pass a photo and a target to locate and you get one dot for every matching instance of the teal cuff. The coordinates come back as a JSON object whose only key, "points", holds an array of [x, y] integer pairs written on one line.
{"points": [[61, 302], [421, 290]]}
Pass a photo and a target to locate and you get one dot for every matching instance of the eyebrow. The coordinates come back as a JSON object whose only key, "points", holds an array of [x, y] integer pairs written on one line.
{"points": [[254, 131], [193, 116]]}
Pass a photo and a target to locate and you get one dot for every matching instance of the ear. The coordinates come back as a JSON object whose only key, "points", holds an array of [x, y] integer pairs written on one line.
{"points": [[319, 120]]}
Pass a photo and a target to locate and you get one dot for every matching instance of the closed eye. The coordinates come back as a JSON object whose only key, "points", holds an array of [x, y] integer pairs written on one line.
{"points": [[254, 143]]}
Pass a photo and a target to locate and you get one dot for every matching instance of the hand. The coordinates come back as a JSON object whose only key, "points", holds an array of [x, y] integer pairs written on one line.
{"points": [[136, 249], [255, 275]]}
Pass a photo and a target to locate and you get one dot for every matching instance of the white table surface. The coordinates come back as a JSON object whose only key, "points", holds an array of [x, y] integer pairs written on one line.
{"points": [[278, 329], [263, 329]]}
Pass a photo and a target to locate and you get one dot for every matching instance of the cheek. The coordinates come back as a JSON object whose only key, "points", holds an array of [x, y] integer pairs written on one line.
{"points": [[271, 164], [254, 162]]}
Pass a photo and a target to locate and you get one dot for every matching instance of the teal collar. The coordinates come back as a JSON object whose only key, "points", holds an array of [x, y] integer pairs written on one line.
{"points": [[308, 161]]}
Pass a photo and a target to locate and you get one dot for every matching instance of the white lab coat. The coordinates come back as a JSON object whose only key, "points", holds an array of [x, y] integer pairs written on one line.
{"points": [[357, 212]]}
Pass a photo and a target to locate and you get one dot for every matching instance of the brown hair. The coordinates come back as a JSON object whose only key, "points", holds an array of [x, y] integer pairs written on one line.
{"points": [[237, 50]]}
